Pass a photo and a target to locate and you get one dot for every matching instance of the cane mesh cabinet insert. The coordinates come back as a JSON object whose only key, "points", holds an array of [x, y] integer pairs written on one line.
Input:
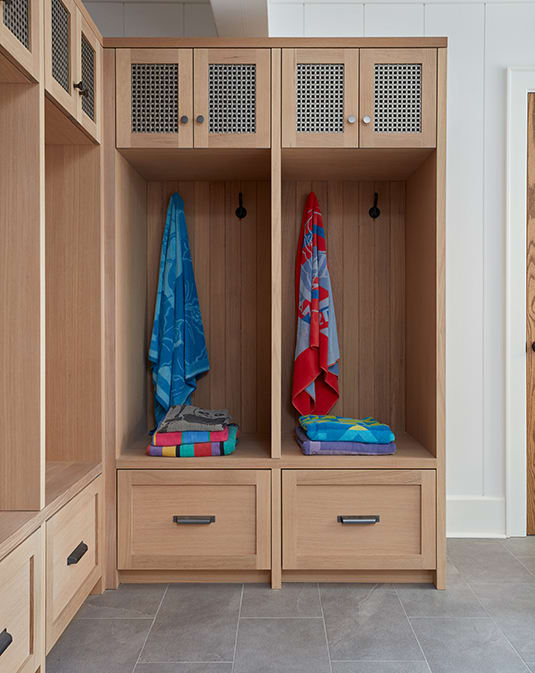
{"points": [[19, 33], [16, 18], [232, 98], [398, 98], [89, 79], [319, 90], [60, 33], [154, 98]]}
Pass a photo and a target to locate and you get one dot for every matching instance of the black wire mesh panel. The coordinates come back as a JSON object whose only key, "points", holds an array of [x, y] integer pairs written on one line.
{"points": [[320, 97], [61, 30], [232, 98], [398, 98], [154, 97], [88, 77], [16, 17]]}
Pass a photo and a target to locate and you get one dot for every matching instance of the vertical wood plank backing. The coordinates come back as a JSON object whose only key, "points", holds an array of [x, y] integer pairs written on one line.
{"points": [[218, 291], [421, 309], [233, 264], [530, 317], [263, 314], [366, 263], [20, 239], [73, 303]]}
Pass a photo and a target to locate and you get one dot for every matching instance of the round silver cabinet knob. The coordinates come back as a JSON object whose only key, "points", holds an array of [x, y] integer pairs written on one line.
{"points": [[366, 119], [351, 119], [200, 119]]}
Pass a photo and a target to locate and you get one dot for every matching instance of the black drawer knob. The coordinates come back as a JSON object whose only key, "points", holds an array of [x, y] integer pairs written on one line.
{"points": [[77, 554], [5, 641]]}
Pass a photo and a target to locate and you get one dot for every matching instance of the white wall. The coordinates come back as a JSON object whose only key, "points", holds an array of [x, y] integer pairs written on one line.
{"points": [[484, 39]]}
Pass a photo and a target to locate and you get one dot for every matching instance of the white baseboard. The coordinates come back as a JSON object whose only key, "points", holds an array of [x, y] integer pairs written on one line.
{"points": [[475, 516]]}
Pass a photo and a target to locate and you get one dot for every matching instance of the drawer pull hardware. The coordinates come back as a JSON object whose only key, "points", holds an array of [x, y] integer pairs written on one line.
{"points": [[5, 640], [362, 520], [195, 520], [77, 554], [200, 119], [83, 90], [184, 119], [366, 119]]}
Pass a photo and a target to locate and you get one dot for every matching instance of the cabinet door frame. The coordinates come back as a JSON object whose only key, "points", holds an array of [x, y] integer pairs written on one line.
{"points": [[426, 479], [124, 60], [428, 59], [67, 99], [259, 57], [350, 135], [28, 59], [94, 128]]}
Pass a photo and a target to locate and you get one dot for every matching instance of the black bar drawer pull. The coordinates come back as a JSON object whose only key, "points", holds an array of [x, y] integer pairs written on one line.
{"points": [[359, 520], [5, 641], [194, 519], [77, 554]]}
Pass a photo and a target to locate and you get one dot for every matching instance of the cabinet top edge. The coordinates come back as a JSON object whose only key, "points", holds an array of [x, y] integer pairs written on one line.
{"points": [[274, 42]]}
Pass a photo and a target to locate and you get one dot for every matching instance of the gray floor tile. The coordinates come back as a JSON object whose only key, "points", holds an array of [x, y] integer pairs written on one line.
{"points": [[528, 562], [196, 622], [367, 622], [512, 606], [293, 600], [380, 667], [183, 668], [466, 646], [521, 546], [98, 646], [531, 666], [486, 561], [281, 646], [423, 600], [129, 601]]}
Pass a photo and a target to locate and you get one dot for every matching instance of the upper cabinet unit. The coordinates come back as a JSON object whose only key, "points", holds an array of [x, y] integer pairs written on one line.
{"points": [[156, 106], [89, 70], [20, 22], [398, 97]]}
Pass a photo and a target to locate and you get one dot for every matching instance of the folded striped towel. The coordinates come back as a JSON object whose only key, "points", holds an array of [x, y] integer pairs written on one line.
{"points": [[189, 437], [196, 450], [342, 429], [310, 447]]}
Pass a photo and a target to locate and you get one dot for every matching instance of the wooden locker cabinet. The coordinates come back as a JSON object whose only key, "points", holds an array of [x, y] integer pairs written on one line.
{"points": [[232, 97], [89, 78], [320, 531], [320, 97], [154, 97], [398, 97], [20, 33], [60, 53]]}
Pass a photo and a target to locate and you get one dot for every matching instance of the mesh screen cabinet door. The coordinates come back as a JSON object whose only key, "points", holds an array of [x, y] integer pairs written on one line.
{"points": [[232, 98], [320, 97], [154, 97], [60, 50], [88, 78], [20, 35], [398, 97]]}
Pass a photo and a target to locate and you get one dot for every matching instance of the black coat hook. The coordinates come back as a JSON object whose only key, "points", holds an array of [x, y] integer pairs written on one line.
{"points": [[241, 212], [374, 211]]}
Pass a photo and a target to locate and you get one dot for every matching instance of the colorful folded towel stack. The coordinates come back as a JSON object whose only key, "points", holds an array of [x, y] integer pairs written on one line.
{"points": [[187, 431], [336, 435]]}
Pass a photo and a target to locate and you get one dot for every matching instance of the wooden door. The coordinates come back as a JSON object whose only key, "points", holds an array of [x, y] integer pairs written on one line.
{"points": [[88, 68], [154, 97], [320, 97], [60, 50], [398, 94], [20, 33], [232, 97], [530, 318]]}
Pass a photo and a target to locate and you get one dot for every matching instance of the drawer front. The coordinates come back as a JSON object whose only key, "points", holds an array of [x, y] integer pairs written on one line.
{"points": [[73, 558], [359, 519], [21, 577], [158, 529]]}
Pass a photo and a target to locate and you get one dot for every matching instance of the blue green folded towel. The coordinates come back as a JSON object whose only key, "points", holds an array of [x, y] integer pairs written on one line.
{"points": [[341, 429]]}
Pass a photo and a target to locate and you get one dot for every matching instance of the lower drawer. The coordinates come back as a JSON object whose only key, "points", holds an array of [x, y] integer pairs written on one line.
{"points": [[73, 563], [359, 519], [194, 519], [21, 579]]}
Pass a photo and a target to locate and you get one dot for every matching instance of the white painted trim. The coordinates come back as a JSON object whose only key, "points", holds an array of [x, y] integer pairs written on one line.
{"points": [[520, 81], [475, 516]]}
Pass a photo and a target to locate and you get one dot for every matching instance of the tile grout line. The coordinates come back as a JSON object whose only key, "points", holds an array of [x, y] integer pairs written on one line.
{"points": [[237, 629], [412, 629], [325, 629], [150, 629]]}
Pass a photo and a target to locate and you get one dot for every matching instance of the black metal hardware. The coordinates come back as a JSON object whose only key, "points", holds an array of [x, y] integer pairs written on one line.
{"points": [[374, 212], [82, 90], [359, 519], [77, 554], [533, 346], [200, 119], [194, 520], [5, 641], [241, 212], [184, 119]]}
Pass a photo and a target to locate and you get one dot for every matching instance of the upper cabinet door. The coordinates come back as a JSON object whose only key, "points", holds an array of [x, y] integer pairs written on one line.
{"points": [[154, 97], [60, 50], [20, 37], [398, 92], [320, 97], [89, 74], [232, 97]]}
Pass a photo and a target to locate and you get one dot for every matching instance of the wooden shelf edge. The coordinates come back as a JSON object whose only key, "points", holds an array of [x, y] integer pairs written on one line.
{"points": [[274, 42]]}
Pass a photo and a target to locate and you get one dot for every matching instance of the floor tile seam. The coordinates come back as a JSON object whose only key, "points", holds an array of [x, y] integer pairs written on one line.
{"points": [[379, 661], [412, 629], [325, 629], [150, 628], [244, 619], [189, 661], [237, 628], [524, 565]]}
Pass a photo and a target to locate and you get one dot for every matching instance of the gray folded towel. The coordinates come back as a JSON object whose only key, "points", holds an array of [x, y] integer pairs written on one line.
{"points": [[185, 417]]}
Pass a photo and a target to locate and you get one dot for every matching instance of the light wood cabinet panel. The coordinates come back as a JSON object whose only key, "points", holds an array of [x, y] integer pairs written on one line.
{"points": [[398, 97], [154, 97], [20, 33], [232, 97], [73, 564], [89, 74], [21, 587], [60, 53], [320, 97], [157, 531], [322, 529]]}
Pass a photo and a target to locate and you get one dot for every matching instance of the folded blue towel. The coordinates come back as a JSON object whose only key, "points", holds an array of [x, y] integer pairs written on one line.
{"points": [[341, 429]]}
